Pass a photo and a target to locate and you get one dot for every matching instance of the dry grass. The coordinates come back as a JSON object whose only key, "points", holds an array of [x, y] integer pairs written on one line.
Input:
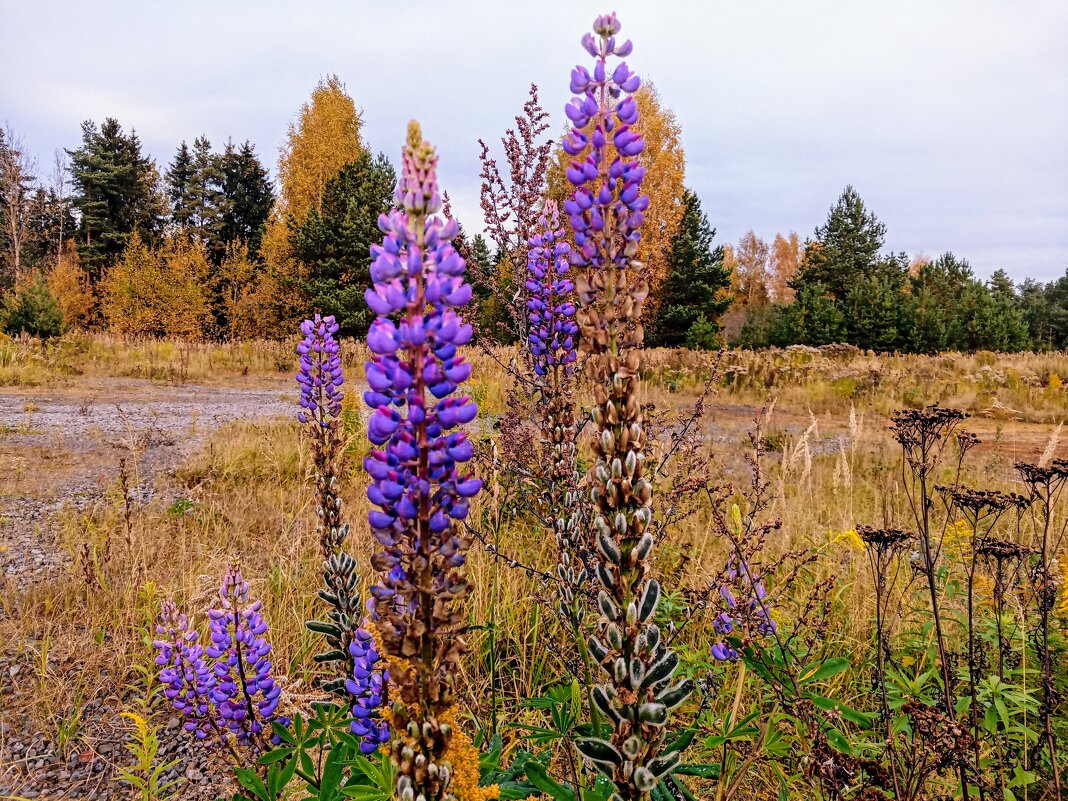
{"points": [[246, 495]]}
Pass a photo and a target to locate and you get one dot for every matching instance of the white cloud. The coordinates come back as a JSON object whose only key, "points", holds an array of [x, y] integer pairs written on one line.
{"points": [[949, 117]]}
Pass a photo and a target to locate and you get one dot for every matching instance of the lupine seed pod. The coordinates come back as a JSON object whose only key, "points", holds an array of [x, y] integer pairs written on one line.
{"points": [[606, 218], [417, 485]]}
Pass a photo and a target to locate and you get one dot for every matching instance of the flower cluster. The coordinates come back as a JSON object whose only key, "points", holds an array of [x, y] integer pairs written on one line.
{"points": [[320, 379], [245, 693], [606, 216], [226, 688], [551, 344], [367, 688], [418, 487], [187, 678], [320, 375], [550, 310], [755, 611]]}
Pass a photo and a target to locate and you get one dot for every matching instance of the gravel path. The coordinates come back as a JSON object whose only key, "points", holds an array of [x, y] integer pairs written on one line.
{"points": [[60, 450]]}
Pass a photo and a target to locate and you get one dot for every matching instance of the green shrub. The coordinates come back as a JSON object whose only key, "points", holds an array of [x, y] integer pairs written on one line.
{"points": [[33, 310]]}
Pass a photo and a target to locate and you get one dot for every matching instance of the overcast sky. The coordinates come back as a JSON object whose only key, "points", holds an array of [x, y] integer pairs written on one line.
{"points": [[950, 118]]}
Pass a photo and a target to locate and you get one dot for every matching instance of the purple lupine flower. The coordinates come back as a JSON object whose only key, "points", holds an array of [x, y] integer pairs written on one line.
{"points": [[756, 610], [184, 672], [616, 202], [367, 687], [245, 693], [320, 375], [550, 308], [419, 489], [320, 378]]}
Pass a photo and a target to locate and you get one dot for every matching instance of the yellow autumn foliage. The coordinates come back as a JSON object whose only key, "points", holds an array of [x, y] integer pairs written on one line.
{"points": [[324, 138], [159, 292], [69, 284]]}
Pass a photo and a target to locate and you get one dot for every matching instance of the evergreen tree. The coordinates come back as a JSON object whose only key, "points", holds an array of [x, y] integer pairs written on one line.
{"points": [[813, 319], [179, 179], [845, 248], [923, 323], [205, 193], [1057, 302], [490, 279], [945, 280], [115, 191], [247, 197], [1035, 308], [33, 310], [695, 292], [334, 243], [872, 312]]}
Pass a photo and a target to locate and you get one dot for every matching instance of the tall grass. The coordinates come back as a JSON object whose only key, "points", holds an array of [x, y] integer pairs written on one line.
{"points": [[830, 458]]}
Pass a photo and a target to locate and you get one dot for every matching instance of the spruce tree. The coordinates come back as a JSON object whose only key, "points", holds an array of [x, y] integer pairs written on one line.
{"points": [[179, 178], [205, 192], [695, 292], [116, 193], [334, 244], [248, 195]]}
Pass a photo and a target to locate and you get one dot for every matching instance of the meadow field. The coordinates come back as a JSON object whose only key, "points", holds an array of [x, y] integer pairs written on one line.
{"points": [[135, 471]]}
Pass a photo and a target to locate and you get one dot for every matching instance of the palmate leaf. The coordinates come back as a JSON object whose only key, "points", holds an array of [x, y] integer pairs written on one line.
{"points": [[854, 716], [540, 778]]}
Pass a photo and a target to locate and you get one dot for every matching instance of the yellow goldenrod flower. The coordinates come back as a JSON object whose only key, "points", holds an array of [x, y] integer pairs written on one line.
{"points": [[849, 536], [464, 758], [958, 539]]}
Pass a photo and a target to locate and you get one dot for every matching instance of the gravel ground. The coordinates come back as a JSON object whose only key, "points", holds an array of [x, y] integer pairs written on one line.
{"points": [[60, 450]]}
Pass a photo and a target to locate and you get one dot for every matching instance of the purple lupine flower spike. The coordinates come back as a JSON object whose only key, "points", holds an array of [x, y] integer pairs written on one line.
{"points": [[754, 613], [419, 489], [245, 693], [320, 378], [606, 214], [367, 688], [550, 309], [184, 672], [320, 375]]}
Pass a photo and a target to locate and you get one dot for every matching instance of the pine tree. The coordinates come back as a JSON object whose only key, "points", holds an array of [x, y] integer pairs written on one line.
{"points": [[695, 292], [923, 322], [116, 192], [873, 312], [334, 241], [845, 247], [813, 319]]}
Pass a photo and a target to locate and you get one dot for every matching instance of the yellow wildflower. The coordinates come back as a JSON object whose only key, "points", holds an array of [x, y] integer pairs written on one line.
{"points": [[1063, 608], [464, 758], [849, 536], [958, 539]]}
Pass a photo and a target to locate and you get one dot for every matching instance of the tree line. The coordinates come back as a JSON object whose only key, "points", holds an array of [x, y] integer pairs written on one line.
{"points": [[210, 246]]}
